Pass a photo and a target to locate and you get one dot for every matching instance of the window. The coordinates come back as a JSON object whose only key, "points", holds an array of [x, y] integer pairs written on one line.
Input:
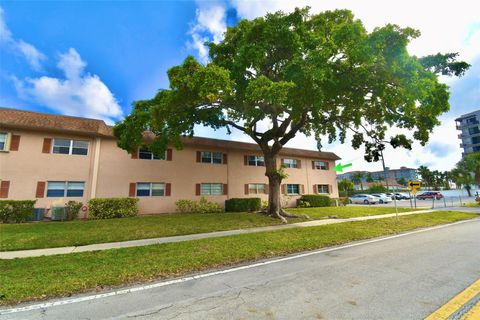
{"points": [[256, 188], [320, 165], [211, 189], [65, 189], [290, 163], [257, 161], [148, 155], [210, 157], [147, 189], [3, 141], [322, 188], [66, 146], [293, 189]]}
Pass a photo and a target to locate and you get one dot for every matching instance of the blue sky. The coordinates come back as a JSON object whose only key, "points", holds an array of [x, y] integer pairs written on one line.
{"points": [[94, 59]]}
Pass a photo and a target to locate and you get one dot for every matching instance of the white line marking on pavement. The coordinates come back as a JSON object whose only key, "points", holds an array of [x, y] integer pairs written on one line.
{"points": [[210, 274]]}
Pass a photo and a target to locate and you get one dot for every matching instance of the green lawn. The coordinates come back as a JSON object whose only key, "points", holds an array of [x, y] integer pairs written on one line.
{"points": [[75, 233], [61, 275]]}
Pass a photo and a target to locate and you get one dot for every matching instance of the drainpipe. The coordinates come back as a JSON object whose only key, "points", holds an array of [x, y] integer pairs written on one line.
{"points": [[96, 162]]}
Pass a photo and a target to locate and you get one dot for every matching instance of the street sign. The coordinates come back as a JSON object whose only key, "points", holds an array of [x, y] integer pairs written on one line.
{"points": [[414, 185]]}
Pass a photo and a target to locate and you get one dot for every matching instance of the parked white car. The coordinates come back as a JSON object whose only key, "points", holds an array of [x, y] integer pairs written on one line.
{"points": [[382, 198], [363, 198]]}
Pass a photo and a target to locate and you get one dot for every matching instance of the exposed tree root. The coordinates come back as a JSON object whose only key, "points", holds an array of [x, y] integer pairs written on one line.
{"points": [[286, 214]]}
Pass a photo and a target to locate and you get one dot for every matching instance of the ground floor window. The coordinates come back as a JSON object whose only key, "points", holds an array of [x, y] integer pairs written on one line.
{"points": [[211, 189], [256, 188], [147, 189], [65, 188], [323, 188], [293, 189]]}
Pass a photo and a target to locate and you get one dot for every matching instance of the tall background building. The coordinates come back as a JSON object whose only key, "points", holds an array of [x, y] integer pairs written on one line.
{"points": [[469, 124]]}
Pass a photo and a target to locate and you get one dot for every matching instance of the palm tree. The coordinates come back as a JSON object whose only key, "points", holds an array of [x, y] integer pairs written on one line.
{"points": [[426, 175], [357, 178]]}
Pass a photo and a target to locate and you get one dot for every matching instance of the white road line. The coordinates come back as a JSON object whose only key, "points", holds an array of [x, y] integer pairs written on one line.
{"points": [[211, 274]]}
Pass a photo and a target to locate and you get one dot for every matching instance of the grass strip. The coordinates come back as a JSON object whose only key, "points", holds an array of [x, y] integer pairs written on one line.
{"points": [[76, 233], [53, 276]]}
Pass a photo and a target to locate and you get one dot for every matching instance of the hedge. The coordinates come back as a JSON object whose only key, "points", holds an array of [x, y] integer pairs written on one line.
{"points": [[243, 204], [108, 208], [201, 206], [16, 211], [315, 200]]}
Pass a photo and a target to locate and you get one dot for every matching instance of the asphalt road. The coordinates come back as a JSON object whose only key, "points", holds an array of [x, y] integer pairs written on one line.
{"points": [[405, 277]]}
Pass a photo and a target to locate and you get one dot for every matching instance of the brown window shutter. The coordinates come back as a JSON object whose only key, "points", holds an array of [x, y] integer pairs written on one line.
{"points": [[15, 142], [225, 158], [225, 189], [40, 193], [199, 156], [315, 190], [283, 189], [302, 189], [197, 189], [282, 162], [313, 164], [266, 188], [132, 189], [329, 188], [299, 164], [47, 145], [135, 154], [169, 154], [245, 160], [168, 189], [4, 187], [327, 165], [246, 188]]}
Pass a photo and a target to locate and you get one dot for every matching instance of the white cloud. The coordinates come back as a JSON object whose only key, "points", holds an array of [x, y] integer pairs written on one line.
{"points": [[33, 56], [78, 94], [210, 25]]}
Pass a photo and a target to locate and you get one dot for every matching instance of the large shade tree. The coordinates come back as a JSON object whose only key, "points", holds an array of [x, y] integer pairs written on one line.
{"points": [[317, 74]]}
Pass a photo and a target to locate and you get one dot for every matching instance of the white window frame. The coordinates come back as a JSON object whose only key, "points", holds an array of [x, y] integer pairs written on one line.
{"points": [[256, 187], [317, 186], [292, 184], [258, 161], [318, 166], [152, 156], [151, 188], [211, 157], [290, 163], [70, 148], [66, 187], [204, 186], [6, 145]]}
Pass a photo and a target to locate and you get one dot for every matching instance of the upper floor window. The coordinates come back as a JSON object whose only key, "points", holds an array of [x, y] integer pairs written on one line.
{"points": [[147, 189], [322, 188], [144, 153], [293, 189], [210, 157], [67, 146], [65, 188], [257, 161], [3, 141], [320, 165], [211, 189], [290, 163]]}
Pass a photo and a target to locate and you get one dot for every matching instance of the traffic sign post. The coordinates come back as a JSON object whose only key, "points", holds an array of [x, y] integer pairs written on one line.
{"points": [[414, 186]]}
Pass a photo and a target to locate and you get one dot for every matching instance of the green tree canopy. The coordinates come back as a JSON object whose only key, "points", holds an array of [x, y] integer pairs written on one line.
{"points": [[319, 74]]}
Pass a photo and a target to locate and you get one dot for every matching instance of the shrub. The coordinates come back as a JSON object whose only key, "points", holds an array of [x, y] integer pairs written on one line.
{"points": [[303, 204], [16, 211], [377, 188], [316, 200], [72, 208], [107, 208], [201, 206], [243, 204]]}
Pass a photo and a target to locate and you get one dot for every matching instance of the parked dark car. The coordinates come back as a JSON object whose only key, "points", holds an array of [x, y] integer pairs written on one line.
{"points": [[430, 195]]}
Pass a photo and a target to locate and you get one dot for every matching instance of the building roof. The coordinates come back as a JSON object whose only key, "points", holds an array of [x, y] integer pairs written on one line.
{"points": [[20, 119]]}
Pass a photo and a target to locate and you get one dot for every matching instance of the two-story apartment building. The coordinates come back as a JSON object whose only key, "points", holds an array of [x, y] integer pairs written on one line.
{"points": [[54, 159]]}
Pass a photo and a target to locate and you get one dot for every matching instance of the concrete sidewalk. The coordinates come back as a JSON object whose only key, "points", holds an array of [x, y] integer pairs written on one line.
{"points": [[146, 242]]}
